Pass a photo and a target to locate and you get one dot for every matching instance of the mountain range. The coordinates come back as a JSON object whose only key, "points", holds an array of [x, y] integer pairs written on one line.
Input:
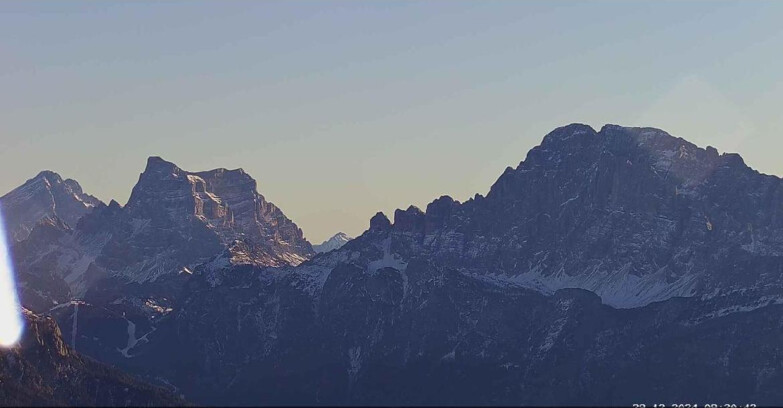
{"points": [[609, 267]]}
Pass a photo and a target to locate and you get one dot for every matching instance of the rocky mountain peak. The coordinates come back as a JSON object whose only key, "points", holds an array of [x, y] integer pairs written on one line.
{"points": [[177, 219], [166, 193], [411, 219], [47, 176], [45, 195], [440, 206], [379, 222], [620, 212], [569, 134], [174, 220], [577, 150], [157, 165], [335, 242]]}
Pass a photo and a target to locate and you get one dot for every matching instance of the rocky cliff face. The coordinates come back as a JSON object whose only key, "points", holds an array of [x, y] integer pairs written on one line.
{"points": [[43, 196], [42, 371], [226, 202], [175, 220]]}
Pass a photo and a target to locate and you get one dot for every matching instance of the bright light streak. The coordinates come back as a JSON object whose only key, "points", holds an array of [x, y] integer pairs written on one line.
{"points": [[10, 312]]}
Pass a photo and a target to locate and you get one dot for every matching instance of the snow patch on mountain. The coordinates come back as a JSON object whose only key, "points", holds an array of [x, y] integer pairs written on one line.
{"points": [[335, 242], [389, 260], [619, 289], [133, 340]]}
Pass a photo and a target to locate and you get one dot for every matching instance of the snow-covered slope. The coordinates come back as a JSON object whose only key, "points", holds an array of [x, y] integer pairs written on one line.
{"points": [[335, 242]]}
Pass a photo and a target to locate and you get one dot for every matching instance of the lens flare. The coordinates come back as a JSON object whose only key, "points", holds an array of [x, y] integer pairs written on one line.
{"points": [[10, 311]]}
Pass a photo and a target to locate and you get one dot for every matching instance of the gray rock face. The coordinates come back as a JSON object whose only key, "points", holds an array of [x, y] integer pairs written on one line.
{"points": [[43, 371], [176, 219], [45, 195], [41, 275], [224, 201], [335, 242]]}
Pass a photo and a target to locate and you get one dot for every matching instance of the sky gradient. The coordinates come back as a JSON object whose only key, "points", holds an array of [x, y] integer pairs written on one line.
{"points": [[343, 109]]}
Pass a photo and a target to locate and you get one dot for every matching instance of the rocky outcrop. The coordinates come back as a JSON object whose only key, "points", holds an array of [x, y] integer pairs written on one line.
{"points": [[380, 222]]}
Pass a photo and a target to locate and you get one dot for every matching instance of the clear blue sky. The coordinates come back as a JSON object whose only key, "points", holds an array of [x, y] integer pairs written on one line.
{"points": [[343, 109]]}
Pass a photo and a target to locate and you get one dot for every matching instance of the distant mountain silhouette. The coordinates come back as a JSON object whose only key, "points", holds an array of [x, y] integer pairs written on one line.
{"points": [[335, 242]]}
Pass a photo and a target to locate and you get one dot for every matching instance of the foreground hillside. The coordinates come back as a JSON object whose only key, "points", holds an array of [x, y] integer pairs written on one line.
{"points": [[43, 370]]}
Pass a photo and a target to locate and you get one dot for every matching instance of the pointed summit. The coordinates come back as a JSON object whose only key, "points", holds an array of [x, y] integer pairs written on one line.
{"points": [[45, 195], [379, 222], [335, 242], [624, 212], [46, 175], [183, 218], [157, 162]]}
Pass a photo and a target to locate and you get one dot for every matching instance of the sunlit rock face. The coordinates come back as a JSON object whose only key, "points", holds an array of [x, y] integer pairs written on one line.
{"points": [[195, 216], [45, 195]]}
